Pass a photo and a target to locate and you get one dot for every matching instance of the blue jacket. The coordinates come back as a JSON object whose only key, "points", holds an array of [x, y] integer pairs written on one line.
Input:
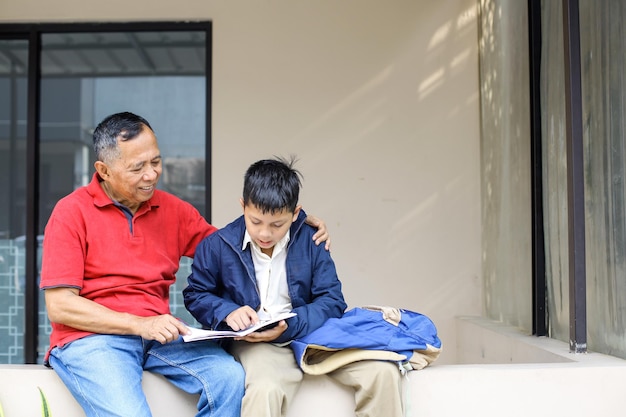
{"points": [[377, 333], [222, 280]]}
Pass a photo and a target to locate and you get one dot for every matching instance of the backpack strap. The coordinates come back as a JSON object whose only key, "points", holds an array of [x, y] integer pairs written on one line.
{"points": [[405, 367]]}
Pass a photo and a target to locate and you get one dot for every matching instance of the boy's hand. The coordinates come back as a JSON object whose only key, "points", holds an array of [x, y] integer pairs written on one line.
{"points": [[322, 234], [242, 318], [266, 335]]}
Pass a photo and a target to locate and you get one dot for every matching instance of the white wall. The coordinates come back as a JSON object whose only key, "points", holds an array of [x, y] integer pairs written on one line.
{"points": [[378, 98]]}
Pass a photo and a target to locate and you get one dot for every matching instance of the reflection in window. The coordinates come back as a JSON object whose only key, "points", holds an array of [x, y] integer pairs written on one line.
{"points": [[13, 70]]}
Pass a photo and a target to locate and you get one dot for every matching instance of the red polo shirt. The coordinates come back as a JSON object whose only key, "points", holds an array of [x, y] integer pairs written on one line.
{"points": [[124, 264]]}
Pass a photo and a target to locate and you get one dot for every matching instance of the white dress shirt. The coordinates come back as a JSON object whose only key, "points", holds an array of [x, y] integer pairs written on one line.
{"points": [[271, 277]]}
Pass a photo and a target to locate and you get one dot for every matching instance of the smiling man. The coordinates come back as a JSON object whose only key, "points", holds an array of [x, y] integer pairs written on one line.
{"points": [[110, 253], [130, 171]]}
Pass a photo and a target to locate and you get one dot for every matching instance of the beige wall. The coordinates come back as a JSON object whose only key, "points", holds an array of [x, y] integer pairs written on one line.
{"points": [[379, 99]]}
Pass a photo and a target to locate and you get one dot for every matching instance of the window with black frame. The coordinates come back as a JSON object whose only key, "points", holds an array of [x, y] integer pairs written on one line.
{"points": [[85, 73]]}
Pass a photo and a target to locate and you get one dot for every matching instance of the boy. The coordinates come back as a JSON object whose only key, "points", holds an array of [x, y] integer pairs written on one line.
{"points": [[264, 264]]}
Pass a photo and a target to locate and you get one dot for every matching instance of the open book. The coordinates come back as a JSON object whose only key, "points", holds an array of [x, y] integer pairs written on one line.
{"points": [[202, 334]]}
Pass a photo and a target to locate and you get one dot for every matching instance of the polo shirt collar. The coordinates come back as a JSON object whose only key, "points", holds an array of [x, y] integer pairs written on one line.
{"points": [[101, 199]]}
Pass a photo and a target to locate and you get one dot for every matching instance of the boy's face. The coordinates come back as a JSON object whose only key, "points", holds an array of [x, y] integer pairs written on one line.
{"points": [[267, 229]]}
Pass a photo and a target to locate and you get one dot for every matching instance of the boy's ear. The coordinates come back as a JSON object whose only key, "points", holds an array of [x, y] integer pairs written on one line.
{"points": [[243, 205], [296, 212]]}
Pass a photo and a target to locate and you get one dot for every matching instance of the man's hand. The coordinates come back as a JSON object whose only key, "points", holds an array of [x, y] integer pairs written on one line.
{"points": [[242, 318], [66, 306], [266, 335], [322, 234], [164, 328]]}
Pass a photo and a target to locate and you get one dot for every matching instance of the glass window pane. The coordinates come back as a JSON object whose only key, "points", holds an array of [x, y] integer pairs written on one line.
{"points": [[604, 90], [88, 76], [603, 44], [13, 88], [506, 215], [554, 156]]}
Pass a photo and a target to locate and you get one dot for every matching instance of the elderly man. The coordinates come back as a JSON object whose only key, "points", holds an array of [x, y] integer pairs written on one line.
{"points": [[110, 253]]}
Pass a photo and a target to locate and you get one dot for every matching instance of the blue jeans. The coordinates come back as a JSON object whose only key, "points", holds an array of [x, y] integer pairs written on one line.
{"points": [[104, 372]]}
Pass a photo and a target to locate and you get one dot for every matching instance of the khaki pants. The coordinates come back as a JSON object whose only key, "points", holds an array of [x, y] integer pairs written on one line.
{"points": [[273, 378]]}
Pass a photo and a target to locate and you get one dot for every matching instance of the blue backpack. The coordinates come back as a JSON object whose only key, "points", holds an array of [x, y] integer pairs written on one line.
{"points": [[378, 333]]}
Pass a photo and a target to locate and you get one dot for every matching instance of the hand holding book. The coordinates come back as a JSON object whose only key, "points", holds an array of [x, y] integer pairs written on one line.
{"points": [[202, 334]]}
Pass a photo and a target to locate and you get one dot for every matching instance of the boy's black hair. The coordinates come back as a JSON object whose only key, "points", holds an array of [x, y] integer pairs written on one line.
{"points": [[124, 125], [272, 185]]}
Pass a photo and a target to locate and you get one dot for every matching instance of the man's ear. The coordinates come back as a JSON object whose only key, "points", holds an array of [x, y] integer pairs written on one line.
{"points": [[102, 169], [296, 212]]}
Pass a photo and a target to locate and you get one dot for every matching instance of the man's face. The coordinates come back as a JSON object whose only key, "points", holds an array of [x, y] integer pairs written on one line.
{"points": [[132, 178], [267, 229]]}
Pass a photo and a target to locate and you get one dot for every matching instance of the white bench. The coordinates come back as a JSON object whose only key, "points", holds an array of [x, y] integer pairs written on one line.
{"points": [[20, 396], [533, 376], [440, 390]]}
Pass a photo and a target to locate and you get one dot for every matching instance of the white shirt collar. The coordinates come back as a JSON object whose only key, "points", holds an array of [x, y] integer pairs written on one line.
{"points": [[280, 245]]}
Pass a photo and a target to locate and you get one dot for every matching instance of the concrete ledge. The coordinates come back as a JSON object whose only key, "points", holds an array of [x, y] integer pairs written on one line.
{"points": [[484, 341], [19, 395], [534, 376], [438, 391]]}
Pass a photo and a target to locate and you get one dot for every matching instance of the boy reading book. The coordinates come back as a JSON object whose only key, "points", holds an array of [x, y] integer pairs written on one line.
{"points": [[264, 264]]}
